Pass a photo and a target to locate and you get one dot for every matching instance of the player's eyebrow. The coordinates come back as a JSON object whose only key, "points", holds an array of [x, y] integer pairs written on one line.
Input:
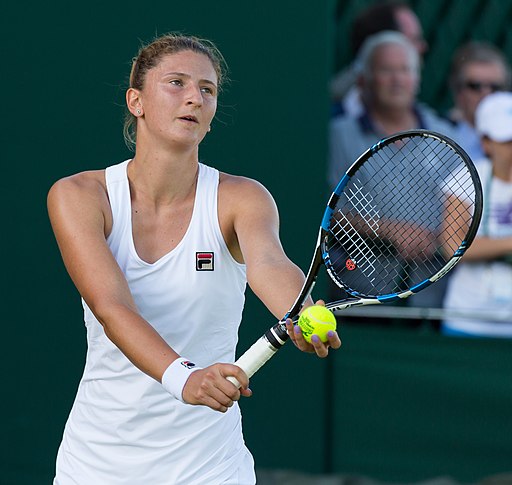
{"points": [[185, 75]]}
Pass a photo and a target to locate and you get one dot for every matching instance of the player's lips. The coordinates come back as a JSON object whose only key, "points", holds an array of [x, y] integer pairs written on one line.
{"points": [[190, 118]]}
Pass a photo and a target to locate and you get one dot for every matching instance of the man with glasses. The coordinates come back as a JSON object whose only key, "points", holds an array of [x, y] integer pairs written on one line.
{"points": [[478, 69]]}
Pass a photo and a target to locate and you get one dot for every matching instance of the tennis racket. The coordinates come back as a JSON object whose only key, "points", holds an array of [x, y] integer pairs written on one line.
{"points": [[399, 219]]}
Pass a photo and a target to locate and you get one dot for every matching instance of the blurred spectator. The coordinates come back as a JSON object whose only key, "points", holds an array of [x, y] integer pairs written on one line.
{"points": [[478, 68], [389, 80], [388, 15], [482, 281]]}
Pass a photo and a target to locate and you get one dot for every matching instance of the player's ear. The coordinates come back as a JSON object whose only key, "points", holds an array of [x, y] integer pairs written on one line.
{"points": [[134, 101]]}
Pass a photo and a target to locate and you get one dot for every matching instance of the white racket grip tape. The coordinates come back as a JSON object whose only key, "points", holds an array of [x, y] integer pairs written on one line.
{"points": [[254, 358]]}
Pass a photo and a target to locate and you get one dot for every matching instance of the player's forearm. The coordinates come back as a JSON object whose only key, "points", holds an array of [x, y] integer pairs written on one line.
{"points": [[136, 339], [277, 285]]}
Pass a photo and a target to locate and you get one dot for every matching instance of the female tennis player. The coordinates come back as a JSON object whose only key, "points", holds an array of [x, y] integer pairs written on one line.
{"points": [[160, 248]]}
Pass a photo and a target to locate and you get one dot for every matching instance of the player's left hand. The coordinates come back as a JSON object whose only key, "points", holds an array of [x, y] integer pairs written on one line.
{"points": [[316, 346]]}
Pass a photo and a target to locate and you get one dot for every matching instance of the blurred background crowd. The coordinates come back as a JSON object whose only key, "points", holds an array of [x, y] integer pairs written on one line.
{"points": [[390, 82]]}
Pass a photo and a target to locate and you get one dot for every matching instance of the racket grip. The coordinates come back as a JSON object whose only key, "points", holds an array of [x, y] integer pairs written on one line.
{"points": [[261, 351]]}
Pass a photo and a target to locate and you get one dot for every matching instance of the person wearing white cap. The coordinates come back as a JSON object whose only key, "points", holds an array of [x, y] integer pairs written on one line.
{"points": [[478, 69], [481, 285]]}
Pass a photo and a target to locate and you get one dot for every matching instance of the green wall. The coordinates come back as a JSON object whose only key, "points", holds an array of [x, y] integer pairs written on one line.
{"points": [[410, 406]]}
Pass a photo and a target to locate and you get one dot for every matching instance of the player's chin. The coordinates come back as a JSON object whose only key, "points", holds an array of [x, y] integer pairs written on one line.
{"points": [[187, 137]]}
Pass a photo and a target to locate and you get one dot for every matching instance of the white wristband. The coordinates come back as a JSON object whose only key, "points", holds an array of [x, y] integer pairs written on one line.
{"points": [[176, 376]]}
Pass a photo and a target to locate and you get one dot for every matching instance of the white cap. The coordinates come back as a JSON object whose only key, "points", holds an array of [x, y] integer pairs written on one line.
{"points": [[493, 117]]}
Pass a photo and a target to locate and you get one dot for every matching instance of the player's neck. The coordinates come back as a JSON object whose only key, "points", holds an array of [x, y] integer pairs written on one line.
{"points": [[163, 177]]}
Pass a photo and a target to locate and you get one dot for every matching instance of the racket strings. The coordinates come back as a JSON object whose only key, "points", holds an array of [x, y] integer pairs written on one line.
{"points": [[402, 216]]}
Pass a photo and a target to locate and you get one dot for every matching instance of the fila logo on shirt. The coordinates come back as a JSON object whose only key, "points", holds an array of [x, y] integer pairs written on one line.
{"points": [[204, 261]]}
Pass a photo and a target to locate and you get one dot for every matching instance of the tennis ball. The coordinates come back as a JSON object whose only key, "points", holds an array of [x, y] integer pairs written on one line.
{"points": [[316, 320]]}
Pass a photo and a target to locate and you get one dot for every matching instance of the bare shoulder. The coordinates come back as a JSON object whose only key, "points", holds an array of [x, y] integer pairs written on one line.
{"points": [[86, 188], [92, 182], [78, 197], [248, 216], [239, 190]]}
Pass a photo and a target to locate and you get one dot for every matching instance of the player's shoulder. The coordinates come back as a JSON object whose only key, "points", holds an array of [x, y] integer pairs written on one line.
{"points": [[239, 191], [80, 185], [240, 184]]}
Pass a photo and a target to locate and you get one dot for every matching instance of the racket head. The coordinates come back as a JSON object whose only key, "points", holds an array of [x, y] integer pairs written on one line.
{"points": [[402, 216]]}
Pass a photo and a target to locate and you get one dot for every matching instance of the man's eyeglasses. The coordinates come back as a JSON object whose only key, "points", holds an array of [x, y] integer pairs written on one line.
{"points": [[481, 86]]}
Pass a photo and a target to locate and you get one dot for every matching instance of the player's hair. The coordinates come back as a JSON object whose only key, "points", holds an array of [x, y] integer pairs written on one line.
{"points": [[150, 55], [481, 52], [388, 37]]}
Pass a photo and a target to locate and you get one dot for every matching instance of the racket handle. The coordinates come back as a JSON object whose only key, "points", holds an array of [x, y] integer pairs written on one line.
{"points": [[260, 352]]}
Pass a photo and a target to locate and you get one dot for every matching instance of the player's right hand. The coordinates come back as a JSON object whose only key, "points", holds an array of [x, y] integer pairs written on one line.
{"points": [[209, 387]]}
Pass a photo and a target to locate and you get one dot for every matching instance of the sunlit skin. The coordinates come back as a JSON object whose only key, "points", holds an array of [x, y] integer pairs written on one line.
{"points": [[174, 111], [181, 85]]}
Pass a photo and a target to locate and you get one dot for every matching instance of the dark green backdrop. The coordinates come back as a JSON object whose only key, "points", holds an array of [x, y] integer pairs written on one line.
{"points": [[404, 406]]}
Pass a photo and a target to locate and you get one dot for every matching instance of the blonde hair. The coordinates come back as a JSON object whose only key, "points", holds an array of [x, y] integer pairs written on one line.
{"points": [[151, 54]]}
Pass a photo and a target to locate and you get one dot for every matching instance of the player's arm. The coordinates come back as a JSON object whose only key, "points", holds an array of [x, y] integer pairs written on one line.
{"points": [[80, 216], [78, 210], [275, 279]]}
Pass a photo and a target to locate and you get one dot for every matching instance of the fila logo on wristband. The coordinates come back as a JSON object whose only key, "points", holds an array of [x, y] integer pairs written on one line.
{"points": [[176, 375]]}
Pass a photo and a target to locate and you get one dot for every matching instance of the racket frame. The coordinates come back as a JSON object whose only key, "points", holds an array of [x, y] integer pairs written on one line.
{"points": [[275, 337]]}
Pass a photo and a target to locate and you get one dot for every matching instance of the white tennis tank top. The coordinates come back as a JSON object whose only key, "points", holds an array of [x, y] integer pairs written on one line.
{"points": [[124, 428]]}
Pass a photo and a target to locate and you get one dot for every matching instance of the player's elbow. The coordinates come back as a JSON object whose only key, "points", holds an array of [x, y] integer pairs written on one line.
{"points": [[108, 311]]}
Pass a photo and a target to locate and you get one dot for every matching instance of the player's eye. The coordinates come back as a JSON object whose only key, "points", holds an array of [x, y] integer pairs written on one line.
{"points": [[207, 90], [176, 82]]}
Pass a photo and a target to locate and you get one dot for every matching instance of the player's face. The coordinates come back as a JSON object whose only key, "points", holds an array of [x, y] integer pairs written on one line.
{"points": [[478, 79], [179, 98], [393, 82]]}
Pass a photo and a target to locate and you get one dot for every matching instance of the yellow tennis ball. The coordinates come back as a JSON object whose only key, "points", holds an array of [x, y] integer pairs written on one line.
{"points": [[316, 320]]}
